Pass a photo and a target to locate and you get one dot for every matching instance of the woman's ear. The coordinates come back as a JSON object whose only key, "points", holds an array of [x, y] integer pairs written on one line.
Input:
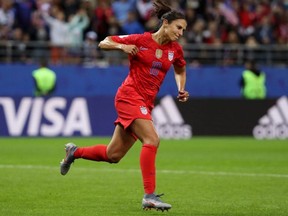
{"points": [[165, 22]]}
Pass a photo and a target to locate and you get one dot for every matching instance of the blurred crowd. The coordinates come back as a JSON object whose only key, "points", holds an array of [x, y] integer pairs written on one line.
{"points": [[83, 23]]}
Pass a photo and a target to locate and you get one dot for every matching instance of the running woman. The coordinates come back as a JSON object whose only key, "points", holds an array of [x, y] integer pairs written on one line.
{"points": [[150, 56]]}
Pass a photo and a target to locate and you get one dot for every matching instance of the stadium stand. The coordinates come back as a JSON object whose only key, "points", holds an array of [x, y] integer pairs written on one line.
{"points": [[219, 32]]}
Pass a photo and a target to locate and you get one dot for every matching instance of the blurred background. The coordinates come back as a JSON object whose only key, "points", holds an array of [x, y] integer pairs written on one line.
{"points": [[219, 32], [221, 36]]}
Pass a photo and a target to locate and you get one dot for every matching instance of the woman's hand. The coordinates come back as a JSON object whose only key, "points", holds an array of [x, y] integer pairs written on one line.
{"points": [[129, 49], [183, 96]]}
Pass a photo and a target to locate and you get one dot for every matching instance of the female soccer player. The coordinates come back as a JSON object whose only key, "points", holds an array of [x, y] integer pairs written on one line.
{"points": [[150, 56]]}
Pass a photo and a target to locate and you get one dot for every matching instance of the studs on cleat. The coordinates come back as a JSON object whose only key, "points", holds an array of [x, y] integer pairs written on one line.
{"points": [[162, 209], [146, 208], [157, 209]]}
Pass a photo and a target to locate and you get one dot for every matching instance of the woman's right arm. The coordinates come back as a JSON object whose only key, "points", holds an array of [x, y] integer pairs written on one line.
{"points": [[109, 44]]}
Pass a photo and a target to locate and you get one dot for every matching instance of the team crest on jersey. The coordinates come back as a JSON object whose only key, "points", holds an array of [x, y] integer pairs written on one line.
{"points": [[158, 53], [170, 55], [143, 110]]}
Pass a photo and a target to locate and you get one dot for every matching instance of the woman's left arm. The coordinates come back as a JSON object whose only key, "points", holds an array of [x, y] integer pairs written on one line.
{"points": [[180, 78]]}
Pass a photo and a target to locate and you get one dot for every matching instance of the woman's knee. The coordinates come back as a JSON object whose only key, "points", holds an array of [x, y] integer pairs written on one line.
{"points": [[152, 140], [114, 157]]}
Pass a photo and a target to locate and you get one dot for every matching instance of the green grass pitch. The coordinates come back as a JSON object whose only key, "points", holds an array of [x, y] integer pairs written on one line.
{"points": [[204, 176]]}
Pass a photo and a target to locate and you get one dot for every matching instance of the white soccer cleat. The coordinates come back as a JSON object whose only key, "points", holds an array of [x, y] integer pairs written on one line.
{"points": [[65, 164], [152, 201]]}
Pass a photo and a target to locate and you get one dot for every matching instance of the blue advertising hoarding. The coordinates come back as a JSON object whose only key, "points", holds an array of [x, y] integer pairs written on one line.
{"points": [[202, 82], [95, 116], [56, 116]]}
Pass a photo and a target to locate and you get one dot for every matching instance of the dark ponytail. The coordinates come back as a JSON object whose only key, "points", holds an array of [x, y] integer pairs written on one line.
{"points": [[163, 11], [160, 8]]}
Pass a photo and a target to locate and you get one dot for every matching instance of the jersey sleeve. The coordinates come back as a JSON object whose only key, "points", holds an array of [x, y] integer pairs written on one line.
{"points": [[179, 61], [126, 39]]}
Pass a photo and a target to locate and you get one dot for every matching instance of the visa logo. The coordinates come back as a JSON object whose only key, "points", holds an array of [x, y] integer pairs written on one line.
{"points": [[51, 117]]}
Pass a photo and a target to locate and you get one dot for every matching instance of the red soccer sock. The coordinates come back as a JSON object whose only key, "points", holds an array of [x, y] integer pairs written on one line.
{"points": [[95, 153], [148, 169]]}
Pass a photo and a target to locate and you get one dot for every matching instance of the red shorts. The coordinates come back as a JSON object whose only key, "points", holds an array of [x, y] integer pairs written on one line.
{"points": [[130, 107]]}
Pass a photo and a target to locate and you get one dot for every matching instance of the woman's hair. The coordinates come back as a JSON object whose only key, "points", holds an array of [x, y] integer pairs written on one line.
{"points": [[163, 11]]}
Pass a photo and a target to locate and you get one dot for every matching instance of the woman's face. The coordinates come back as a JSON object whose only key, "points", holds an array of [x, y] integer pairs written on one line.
{"points": [[175, 29]]}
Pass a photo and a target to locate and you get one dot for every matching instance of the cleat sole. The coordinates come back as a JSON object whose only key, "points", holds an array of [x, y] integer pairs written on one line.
{"points": [[157, 209]]}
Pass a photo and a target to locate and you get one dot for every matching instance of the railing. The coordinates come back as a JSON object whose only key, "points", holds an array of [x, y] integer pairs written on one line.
{"points": [[235, 54]]}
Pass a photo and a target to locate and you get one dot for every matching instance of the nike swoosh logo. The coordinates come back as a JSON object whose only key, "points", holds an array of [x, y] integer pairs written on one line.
{"points": [[143, 48]]}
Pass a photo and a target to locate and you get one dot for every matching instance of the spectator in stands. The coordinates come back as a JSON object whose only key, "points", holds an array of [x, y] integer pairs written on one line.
{"points": [[247, 18], [280, 20], [76, 27], [251, 42], [59, 34], [231, 52], [211, 32], [20, 49], [23, 11], [262, 9], [90, 49], [39, 34], [44, 79], [253, 82], [191, 16], [103, 19], [7, 19], [196, 34], [282, 30], [265, 31], [232, 37]]}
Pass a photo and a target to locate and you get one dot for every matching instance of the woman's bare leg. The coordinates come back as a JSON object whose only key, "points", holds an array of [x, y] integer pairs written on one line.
{"points": [[120, 144]]}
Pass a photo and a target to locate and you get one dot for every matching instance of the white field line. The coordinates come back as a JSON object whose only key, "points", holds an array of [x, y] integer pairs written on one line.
{"points": [[177, 172]]}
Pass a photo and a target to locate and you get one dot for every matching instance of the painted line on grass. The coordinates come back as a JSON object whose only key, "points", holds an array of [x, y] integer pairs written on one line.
{"points": [[10, 166]]}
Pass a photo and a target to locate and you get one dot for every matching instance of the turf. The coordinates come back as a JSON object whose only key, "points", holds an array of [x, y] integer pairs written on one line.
{"points": [[202, 176]]}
